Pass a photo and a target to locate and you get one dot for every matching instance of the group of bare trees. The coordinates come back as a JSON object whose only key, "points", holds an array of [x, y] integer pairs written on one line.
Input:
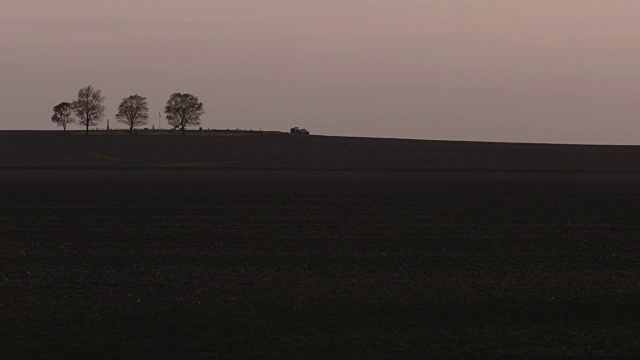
{"points": [[181, 110]]}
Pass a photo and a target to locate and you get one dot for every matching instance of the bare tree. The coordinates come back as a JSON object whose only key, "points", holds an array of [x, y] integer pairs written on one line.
{"points": [[183, 110], [88, 107], [63, 115], [133, 111]]}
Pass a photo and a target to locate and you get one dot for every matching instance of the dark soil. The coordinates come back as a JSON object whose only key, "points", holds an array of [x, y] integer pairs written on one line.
{"points": [[206, 264], [42, 149]]}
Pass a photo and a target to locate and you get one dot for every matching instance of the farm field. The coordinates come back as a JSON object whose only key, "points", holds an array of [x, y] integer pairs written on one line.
{"points": [[270, 151], [318, 264]]}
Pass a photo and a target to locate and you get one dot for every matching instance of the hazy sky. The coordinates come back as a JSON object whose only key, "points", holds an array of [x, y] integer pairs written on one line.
{"points": [[496, 70]]}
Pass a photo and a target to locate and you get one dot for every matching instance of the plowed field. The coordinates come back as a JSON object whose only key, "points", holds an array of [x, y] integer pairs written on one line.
{"points": [[206, 264]]}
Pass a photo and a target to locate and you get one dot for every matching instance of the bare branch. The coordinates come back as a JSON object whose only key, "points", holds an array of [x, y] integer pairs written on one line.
{"points": [[183, 110], [88, 107], [63, 115], [133, 111]]}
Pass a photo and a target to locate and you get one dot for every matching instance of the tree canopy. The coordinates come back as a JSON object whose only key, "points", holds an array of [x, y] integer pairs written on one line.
{"points": [[183, 110], [63, 115], [88, 107], [133, 111]]}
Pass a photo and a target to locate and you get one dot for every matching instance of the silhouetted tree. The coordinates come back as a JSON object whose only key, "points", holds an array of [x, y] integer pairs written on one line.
{"points": [[183, 110], [63, 115], [133, 111], [88, 107]]}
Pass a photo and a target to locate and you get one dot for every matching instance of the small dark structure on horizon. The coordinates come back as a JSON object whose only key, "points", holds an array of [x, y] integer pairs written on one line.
{"points": [[296, 130]]}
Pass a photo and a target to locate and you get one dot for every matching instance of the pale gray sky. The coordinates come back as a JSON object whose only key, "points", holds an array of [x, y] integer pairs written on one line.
{"points": [[495, 70]]}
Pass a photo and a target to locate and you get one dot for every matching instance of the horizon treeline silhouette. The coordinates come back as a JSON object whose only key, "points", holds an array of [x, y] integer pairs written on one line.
{"points": [[181, 110]]}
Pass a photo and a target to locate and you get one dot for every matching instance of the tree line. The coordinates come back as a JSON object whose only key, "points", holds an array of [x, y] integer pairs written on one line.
{"points": [[181, 110]]}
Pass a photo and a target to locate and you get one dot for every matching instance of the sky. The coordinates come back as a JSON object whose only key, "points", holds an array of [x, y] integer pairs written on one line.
{"points": [[553, 71]]}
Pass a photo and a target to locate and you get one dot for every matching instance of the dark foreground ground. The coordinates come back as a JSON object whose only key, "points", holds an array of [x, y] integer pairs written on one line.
{"points": [[181, 264]]}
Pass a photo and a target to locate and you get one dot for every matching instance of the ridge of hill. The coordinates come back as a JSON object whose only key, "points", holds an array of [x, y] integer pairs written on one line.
{"points": [[279, 151]]}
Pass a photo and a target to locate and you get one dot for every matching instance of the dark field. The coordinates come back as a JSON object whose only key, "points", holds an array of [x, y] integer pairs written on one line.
{"points": [[54, 150], [189, 264]]}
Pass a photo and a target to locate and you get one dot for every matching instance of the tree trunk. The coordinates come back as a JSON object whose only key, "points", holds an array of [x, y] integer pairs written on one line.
{"points": [[87, 132], [183, 132], [131, 130]]}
